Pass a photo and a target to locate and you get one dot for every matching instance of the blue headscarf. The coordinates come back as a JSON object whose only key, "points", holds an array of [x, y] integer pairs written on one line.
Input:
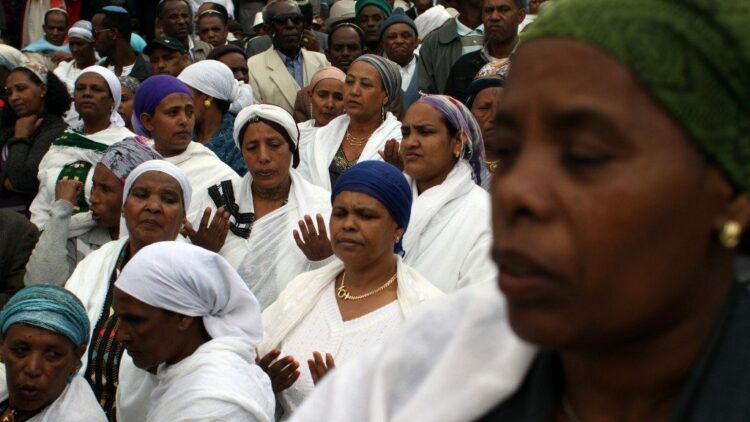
{"points": [[48, 307], [383, 182], [151, 92]]}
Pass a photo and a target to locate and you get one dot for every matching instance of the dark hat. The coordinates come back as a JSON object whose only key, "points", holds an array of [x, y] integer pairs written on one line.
{"points": [[170, 43], [398, 16]]}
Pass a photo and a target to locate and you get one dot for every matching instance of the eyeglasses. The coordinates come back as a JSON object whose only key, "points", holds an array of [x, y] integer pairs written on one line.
{"points": [[99, 31], [296, 19]]}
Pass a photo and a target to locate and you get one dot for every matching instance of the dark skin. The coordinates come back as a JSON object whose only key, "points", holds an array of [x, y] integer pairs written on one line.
{"points": [[583, 140], [422, 5], [93, 101], [175, 20], [370, 20], [83, 52], [55, 28], [483, 110], [399, 42], [109, 43], [167, 61], [364, 98], [237, 63], [345, 47], [470, 12], [286, 28], [212, 30], [26, 99], [501, 19], [171, 125]]}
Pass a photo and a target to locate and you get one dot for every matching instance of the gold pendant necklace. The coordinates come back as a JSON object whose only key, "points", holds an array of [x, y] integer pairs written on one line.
{"points": [[9, 416], [344, 295], [356, 142]]}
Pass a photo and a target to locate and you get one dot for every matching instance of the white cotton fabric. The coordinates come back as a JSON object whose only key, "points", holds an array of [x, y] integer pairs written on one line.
{"points": [[316, 156], [114, 88], [54, 160], [431, 20], [216, 80], [307, 131], [449, 237], [160, 166], [76, 403], [270, 112], [270, 258], [453, 363], [193, 281], [11, 55]]}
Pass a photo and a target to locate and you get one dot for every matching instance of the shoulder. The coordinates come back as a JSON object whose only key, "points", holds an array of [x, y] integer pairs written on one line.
{"points": [[314, 55], [13, 222]]}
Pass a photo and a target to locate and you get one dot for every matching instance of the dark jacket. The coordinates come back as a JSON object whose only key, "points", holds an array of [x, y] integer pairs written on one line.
{"points": [[463, 73], [17, 239], [439, 51], [141, 68]]}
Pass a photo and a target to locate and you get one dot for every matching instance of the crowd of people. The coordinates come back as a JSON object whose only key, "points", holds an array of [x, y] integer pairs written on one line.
{"points": [[374, 210]]}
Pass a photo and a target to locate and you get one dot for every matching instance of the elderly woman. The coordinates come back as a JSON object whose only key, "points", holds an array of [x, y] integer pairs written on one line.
{"points": [[56, 254], [358, 300], [618, 208], [164, 111], [372, 84], [482, 97], [45, 332], [38, 101], [155, 199], [268, 204], [76, 152], [185, 311], [325, 95], [130, 87], [217, 97]]}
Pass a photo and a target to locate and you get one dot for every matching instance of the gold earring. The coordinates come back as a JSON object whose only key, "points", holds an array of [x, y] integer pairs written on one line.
{"points": [[730, 234], [207, 103]]}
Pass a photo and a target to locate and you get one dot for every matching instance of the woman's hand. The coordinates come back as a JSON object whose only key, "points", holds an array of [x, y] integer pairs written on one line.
{"points": [[213, 236], [318, 367], [283, 372], [25, 126], [314, 243], [391, 154], [69, 190]]}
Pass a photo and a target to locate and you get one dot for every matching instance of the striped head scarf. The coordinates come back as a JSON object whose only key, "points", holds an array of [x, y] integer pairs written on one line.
{"points": [[389, 74], [83, 30]]}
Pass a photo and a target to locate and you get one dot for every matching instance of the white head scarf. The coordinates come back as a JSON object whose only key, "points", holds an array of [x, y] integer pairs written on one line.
{"points": [[11, 57], [431, 20], [162, 167], [216, 80], [192, 281], [268, 112], [114, 87]]}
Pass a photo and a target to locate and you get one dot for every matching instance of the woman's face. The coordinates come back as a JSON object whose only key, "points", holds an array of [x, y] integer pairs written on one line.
{"points": [[364, 94], [267, 155], [25, 96], [362, 229], [483, 110], [38, 364], [428, 150], [93, 101], [171, 125], [106, 198], [604, 213], [198, 105], [327, 101], [126, 105], [154, 208]]}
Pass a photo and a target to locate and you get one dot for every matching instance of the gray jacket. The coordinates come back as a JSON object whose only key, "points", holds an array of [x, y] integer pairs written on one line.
{"points": [[439, 51]]}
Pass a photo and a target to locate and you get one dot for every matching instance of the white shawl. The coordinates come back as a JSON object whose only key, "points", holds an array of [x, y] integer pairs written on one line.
{"points": [[218, 382], [316, 156], [453, 363], [77, 403], [270, 258], [307, 131], [53, 162], [301, 295], [449, 236], [204, 169]]}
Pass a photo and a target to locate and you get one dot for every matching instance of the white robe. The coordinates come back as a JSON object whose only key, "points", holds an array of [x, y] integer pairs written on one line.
{"points": [[453, 363], [269, 259], [316, 156], [77, 403], [449, 237], [218, 382], [53, 162], [203, 169], [307, 131]]}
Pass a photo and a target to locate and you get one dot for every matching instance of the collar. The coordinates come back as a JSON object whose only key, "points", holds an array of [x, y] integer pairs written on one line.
{"points": [[284, 57]]}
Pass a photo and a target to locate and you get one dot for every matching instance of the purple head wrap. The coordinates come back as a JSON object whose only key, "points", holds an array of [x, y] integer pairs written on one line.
{"points": [[459, 117], [122, 157], [151, 93]]}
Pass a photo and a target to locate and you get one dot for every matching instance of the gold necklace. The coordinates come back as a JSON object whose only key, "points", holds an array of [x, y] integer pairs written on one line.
{"points": [[356, 142], [9, 415], [343, 294]]}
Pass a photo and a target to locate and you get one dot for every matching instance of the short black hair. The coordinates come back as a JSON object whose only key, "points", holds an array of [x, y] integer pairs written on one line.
{"points": [[216, 7], [119, 21], [56, 101], [223, 50], [160, 7], [340, 25]]}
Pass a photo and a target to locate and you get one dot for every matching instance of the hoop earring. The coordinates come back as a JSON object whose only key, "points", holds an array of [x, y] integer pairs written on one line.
{"points": [[207, 103], [730, 234]]}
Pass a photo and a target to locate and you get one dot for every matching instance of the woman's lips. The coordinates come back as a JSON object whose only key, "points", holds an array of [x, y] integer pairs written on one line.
{"points": [[522, 279]]}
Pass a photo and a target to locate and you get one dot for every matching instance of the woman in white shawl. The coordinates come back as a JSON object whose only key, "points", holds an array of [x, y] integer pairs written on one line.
{"points": [[355, 302], [372, 85], [442, 150], [203, 346], [268, 204], [325, 94], [155, 197], [163, 110], [71, 157]]}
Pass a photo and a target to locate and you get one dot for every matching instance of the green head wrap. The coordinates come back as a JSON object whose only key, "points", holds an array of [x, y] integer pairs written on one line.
{"points": [[693, 56], [381, 4]]}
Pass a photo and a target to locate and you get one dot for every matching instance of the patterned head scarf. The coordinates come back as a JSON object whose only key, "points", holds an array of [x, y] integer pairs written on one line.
{"points": [[48, 307], [38, 70], [383, 182], [129, 82], [491, 75], [460, 118], [381, 4], [389, 74], [124, 156], [11, 57], [114, 89], [150, 94], [691, 55]]}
